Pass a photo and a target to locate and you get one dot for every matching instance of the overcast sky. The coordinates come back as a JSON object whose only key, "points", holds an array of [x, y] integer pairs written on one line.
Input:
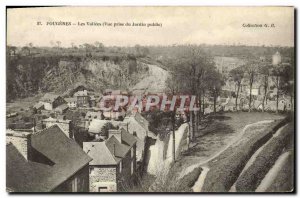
{"points": [[180, 25]]}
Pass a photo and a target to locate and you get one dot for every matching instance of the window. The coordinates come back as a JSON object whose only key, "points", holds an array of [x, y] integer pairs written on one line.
{"points": [[102, 189]]}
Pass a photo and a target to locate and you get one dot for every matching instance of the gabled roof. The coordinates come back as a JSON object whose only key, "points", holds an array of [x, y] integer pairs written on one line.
{"points": [[110, 152], [49, 97], [28, 176], [116, 148], [81, 93], [127, 138], [99, 152], [38, 105], [142, 121], [70, 99], [62, 107], [137, 121]]}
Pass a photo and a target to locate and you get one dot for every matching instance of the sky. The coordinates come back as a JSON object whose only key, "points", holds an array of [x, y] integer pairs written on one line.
{"points": [[179, 25]]}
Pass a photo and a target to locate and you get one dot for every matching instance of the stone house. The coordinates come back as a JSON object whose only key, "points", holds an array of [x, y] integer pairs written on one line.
{"points": [[82, 98], [71, 102], [46, 161], [113, 168], [138, 126], [51, 101]]}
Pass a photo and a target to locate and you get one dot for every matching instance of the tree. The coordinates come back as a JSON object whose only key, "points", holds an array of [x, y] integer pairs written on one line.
{"points": [[99, 45], [276, 72], [251, 71], [190, 68], [11, 50], [265, 71], [237, 76], [286, 84], [30, 45], [58, 44], [215, 83], [26, 50]]}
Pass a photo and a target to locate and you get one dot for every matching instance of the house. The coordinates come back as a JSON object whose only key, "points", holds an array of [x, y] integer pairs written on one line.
{"points": [[46, 161], [64, 124], [38, 107], [51, 101], [113, 167], [139, 127], [82, 98], [71, 102], [114, 115], [61, 108], [93, 100]]}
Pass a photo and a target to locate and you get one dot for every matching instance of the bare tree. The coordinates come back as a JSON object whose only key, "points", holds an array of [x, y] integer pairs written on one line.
{"points": [[58, 44], [251, 71], [237, 76], [215, 83], [265, 71]]}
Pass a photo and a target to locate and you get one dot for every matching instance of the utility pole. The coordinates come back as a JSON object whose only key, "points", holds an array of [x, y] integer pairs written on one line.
{"points": [[173, 122]]}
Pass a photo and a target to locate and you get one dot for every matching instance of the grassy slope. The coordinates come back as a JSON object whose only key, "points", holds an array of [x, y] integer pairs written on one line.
{"points": [[252, 177], [225, 169], [216, 136], [284, 181]]}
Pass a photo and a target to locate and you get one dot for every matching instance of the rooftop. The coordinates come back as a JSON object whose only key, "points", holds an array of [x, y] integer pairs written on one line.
{"points": [[29, 176], [49, 97]]}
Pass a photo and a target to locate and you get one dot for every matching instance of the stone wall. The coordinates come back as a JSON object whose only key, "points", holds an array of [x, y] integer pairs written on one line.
{"points": [[103, 177]]}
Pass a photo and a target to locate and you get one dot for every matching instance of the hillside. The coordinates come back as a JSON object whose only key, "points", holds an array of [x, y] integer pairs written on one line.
{"points": [[29, 75]]}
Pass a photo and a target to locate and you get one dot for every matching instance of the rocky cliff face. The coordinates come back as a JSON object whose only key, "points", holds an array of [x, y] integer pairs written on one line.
{"points": [[26, 76]]}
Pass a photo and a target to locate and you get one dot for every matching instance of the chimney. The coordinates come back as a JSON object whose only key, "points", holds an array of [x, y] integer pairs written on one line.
{"points": [[21, 140]]}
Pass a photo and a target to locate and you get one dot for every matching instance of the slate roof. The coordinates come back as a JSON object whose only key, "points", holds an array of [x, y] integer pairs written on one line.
{"points": [[110, 152], [49, 97], [38, 105], [99, 152], [62, 107], [81, 93], [120, 149], [29, 176], [70, 99], [127, 138]]}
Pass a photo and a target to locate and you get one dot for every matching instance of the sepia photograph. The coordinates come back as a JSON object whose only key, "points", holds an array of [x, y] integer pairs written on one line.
{"points": [[150, 99]]}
